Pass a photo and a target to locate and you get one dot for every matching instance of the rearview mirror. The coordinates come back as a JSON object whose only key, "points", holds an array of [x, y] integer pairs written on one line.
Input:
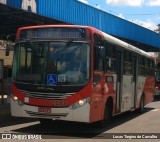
{"points": [[10, 39], [98, 40]]}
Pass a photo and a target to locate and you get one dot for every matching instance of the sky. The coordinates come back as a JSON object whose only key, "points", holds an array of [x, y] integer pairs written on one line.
{"points": [[142, 12]]}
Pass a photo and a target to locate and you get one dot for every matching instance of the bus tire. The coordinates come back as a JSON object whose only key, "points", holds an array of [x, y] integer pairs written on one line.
{"points": [[141, 106], [107, 115]]}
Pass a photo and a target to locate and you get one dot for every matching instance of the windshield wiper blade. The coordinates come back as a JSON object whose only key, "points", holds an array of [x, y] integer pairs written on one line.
{"points": [[31, 46], [68, 43]]}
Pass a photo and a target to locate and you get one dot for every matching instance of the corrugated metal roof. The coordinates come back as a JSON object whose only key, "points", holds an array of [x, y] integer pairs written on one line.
{"points": [[75, 12]]}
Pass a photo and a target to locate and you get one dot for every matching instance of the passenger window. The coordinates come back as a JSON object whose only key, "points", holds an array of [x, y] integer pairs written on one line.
{"points": [[127, 63], [100, 57], [141, 67], [110, 60], [99, 54]]}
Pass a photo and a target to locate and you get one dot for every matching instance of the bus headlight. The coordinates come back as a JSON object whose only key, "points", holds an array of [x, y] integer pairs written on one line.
{"points": [[79, 103], [16, 100]]}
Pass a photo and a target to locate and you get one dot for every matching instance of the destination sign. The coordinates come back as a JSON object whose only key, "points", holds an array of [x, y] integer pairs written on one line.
{"points": [[53, 33]]}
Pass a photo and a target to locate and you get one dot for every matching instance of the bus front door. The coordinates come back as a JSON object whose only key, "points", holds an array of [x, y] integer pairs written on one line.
{"points": [[119, 82], [134, 81]]}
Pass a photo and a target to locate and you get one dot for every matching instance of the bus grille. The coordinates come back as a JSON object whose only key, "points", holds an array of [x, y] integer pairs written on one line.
{"points": [[50, 96], [47, 115]]}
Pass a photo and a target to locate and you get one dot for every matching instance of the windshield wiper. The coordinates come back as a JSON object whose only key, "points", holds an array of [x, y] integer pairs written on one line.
{"points": [[31, 46], [68, 43]]}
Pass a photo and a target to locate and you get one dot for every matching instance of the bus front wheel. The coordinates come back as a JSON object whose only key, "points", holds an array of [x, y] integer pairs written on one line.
{"points": [[107, 115]]}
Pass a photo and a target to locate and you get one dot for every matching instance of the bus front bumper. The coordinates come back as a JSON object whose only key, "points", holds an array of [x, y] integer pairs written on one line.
{"points": [[80, 114]]}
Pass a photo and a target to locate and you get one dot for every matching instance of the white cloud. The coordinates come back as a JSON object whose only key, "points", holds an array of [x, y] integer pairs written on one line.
{"points": [[121, 16], [147, 24], [125, 2], [153, 3], [83, 1]]}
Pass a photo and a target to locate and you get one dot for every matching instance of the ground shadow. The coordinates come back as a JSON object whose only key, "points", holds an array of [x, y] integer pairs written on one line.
{"points": [[156, 98], [7, 120], [63, 129]]}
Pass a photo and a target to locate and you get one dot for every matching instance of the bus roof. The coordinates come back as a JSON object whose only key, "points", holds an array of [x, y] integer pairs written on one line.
{"points": [[107, 37], [49, 26], [125, 45]]}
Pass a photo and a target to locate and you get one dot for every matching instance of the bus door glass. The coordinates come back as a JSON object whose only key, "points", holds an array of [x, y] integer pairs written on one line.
{"points": [[127, 86], [134, 81], [119, 80]]}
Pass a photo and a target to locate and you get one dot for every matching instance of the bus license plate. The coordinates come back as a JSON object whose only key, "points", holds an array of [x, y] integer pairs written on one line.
{"points": [[44, 110]]}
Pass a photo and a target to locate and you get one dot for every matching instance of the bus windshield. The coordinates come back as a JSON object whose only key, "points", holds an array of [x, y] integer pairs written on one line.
{"points": [[52, 62]]}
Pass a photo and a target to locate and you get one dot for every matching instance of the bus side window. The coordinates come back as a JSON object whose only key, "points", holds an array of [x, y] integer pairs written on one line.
{"points": [[150, 67], [110, 61], [99, 53], [99, 58], [127, 70], [141, 67]]}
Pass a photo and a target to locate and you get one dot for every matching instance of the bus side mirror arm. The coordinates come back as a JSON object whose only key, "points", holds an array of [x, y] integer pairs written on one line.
{"points": [[10, 37]]}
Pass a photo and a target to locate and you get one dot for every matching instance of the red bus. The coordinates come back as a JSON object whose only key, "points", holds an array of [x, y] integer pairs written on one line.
{"points": [[78, 73]]}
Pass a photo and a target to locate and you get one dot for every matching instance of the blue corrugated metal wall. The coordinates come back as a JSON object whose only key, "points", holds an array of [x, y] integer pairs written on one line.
{"points": [[75, 12], [72, 11], [14, 3]]}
